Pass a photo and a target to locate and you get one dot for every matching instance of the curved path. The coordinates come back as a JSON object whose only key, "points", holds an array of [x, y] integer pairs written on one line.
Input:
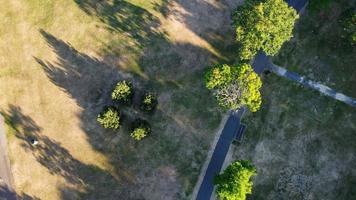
{"points": [[260, 64]]}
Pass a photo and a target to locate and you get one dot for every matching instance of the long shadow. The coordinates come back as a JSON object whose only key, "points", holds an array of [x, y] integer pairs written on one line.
{"points": [[89, 81], [6, 194], [85, 78], [96, 182], [160, 59], [209, 19], [123, 17]]}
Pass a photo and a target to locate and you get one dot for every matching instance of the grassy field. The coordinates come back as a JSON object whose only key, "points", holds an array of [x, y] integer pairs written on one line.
{"points": [[59, 60], [303, 143]]}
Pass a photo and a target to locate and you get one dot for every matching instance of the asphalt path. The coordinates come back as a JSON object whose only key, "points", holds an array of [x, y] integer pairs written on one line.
{"points": [[260, 64], [218, 157], [298, 5], [312, 84]]}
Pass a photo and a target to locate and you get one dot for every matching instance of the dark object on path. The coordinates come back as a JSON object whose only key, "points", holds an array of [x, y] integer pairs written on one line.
{"points": [[261, 62], [240, 132], [267, 72]]}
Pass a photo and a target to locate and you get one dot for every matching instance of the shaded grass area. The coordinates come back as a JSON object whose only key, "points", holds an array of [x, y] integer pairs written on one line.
{"points": [[99, 185], [319, 51], [302, 144], [177, 127]]}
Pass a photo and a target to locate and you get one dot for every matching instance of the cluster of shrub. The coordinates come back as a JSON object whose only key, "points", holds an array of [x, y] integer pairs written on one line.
{"points": [[123, 94]]}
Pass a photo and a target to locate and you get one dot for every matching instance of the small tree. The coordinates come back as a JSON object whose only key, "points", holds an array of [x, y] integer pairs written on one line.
{"points": [[263, 24], [348, 22], [122, 91], [140, 129], [235, 182], [239, 89], [148, 102], [109, 118]]}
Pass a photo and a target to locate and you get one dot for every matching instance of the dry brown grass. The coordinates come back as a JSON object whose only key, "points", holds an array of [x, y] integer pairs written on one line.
{"points": [[58, 61]]}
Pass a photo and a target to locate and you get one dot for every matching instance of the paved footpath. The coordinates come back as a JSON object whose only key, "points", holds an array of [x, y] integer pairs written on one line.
{"points": [[221, 149], [261, 62], [6, 179], [312, 84]]}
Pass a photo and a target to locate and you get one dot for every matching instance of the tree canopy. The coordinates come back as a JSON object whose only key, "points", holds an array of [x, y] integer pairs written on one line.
{"points": [[263, 25], [235, 182], [218, 76], [235, 86]]}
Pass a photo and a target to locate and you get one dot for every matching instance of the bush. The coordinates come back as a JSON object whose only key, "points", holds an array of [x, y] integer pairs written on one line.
{"points": [[109, 118], [348, 22], [140, 129], [122, 92], [263, 25], [148, 102], [235, 182]]}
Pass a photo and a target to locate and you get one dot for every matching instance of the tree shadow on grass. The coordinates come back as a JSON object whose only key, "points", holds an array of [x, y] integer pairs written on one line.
{"points": [[172, 68], [90, 81], [95, 182], [84, 77], [209, 19], [6, 194], [123, 17], [160, 58]]}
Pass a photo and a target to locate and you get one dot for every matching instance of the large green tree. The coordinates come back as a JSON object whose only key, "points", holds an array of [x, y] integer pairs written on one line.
{"points": [[263, 25], [235, 86], [235, 182]]}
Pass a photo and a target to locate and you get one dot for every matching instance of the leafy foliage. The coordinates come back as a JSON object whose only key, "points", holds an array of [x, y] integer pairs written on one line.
{"points": [[109, 118], [348, 22], [263, 25], [218, 76], [239, 89], [148, 102], [235, 182], [140, 129], [122, 91]]}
